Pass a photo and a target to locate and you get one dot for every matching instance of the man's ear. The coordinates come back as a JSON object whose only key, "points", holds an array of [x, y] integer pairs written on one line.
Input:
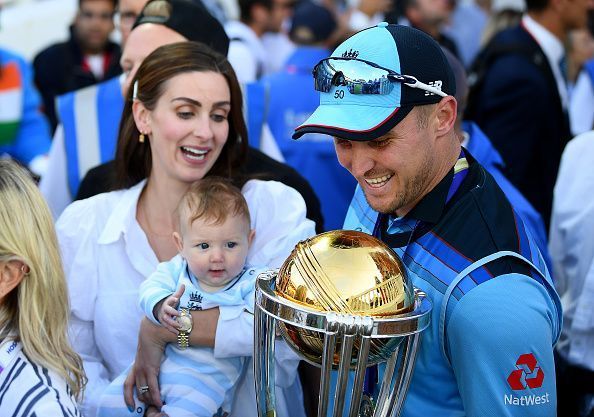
{"points": [[179, 243], [445, 115], [141, 117], [11, 275]]}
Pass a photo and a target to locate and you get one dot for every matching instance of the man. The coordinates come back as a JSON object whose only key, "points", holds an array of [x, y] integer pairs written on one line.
{"points": [[85, 59], [489, 348], [292, 100], [521, 100], [90, 117], [247, 53]]}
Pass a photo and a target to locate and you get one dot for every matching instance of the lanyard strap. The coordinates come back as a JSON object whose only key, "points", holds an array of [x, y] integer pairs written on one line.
{"points": [[9, 350]]}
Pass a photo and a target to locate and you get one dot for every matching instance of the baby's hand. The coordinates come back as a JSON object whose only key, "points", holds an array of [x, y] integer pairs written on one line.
{"points": [[168, 310]]}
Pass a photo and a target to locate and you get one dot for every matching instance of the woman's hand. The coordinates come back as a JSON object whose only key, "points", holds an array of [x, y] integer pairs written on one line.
{"points": [[152, 340]]}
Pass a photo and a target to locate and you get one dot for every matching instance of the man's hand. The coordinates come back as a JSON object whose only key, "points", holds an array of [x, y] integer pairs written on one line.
{"points": [[167, 310]]}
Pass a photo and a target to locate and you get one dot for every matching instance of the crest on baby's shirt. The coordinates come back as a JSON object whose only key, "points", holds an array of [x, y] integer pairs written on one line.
{"points": [[195, 302]]}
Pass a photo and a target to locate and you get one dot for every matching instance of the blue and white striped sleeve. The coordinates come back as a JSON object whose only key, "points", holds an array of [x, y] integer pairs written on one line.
{"points": [[159, 285], [500, 339]]}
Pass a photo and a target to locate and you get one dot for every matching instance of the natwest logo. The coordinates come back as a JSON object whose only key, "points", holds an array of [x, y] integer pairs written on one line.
{"points": [[528, 374]]}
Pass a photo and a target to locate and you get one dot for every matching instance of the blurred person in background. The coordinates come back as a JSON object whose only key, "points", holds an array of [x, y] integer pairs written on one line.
{"points": [[247, 53], [521, 102], [87, 58], [292, 101], [40, 374], [24, 131]]}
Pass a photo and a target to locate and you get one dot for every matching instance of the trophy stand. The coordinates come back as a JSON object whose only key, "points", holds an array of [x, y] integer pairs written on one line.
{"points": [[345, 342]]}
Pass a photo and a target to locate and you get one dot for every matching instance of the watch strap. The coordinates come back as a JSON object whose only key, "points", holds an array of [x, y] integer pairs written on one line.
{"points": [[183, 336]]}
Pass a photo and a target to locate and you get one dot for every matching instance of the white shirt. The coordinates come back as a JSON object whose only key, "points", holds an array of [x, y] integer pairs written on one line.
{"points": [[553, 50], [29, 389], [107, 256], [572, 249], [246, 55], [581, 105]]}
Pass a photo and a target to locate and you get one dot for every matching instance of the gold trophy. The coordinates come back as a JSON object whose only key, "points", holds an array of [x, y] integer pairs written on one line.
{"points": [[342, 301]]}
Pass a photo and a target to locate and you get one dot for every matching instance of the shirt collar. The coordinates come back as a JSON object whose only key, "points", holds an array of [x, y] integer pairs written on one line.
{"points": [[549, 43], [123, 216]]}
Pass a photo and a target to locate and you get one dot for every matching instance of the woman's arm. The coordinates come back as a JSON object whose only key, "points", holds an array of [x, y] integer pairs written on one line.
{"points": [[152, 340]]}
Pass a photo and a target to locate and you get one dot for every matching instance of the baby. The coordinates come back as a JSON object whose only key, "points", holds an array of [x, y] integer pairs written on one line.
{"points": [[213, 241]]}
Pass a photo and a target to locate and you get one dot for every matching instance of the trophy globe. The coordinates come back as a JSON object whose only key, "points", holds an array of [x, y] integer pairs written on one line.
{"points": [[349, 273]]}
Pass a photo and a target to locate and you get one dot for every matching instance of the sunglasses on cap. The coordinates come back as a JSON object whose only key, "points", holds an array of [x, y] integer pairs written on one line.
{"points": [[362, 77]]}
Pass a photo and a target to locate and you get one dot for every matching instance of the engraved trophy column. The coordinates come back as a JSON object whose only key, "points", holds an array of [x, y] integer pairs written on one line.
{"points": [[342, 301]]}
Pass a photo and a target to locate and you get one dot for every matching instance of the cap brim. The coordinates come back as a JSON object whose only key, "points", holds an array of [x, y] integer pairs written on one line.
{"points": [[352, 121]]}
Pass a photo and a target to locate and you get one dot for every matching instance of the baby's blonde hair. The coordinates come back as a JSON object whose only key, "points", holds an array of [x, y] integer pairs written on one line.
{"points": [[37, 310], [212, 198]]}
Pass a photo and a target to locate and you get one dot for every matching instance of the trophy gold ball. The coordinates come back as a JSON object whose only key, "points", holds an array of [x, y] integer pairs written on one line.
{"points": [[344, 272]]}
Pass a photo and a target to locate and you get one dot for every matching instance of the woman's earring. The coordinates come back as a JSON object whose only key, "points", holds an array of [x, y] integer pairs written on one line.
{"points": [[141, 138]]}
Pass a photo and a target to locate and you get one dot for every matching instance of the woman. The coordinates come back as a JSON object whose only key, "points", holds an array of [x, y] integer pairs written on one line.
{"points": [[40, 374], [182, 121]]}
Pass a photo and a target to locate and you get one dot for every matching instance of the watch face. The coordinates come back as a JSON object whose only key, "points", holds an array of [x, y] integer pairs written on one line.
{"points": [[185, 323]]}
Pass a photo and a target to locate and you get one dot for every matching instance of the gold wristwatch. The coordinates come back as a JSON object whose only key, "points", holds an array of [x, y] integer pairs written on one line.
{"points": [[185, 322]]}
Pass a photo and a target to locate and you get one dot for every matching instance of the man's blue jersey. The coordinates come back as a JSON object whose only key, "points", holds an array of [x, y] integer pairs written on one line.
{"points": [[494, 354]]}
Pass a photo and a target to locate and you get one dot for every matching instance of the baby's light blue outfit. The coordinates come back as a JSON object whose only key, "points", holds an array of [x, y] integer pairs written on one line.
{"points": [[193, 381]]}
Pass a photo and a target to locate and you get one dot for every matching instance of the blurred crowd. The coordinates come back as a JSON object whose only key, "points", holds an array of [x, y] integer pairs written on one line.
{"points": [[525, 90]]}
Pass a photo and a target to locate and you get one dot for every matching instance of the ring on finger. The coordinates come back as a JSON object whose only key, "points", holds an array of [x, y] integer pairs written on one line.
{"points": [[143, 389]]}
